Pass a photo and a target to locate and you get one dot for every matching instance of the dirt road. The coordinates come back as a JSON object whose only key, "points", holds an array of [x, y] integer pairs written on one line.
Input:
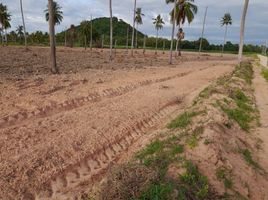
{"points": [[60, 134], [261, 94]]}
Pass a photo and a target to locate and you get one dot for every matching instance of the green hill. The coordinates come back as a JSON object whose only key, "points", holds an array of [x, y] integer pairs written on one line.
{"points": [[101, 27]]}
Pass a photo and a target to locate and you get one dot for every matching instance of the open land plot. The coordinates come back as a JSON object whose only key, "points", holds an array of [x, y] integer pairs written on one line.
{"points": [[59, 134]]}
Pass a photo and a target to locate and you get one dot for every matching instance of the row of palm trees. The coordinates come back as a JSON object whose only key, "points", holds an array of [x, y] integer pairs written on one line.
{"points": [[183, 10]]}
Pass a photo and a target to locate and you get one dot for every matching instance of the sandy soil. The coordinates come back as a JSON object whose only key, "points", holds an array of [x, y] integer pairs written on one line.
{"points": [[261, 93], [60, 133]]}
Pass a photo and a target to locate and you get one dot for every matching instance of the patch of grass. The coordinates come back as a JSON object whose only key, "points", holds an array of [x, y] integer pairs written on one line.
{"points": [[193, 183], [160, 191], [244, 113], [245, 71], [192, 141], [183, 120], [248, 158], [241, 117], [224, 176], [265, 73], [152, 148], [177, 149]]}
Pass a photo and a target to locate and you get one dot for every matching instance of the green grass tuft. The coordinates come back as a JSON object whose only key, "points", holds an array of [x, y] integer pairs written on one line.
{"points": [[224, 176], [265, 73], [248, 158], [182, 121]]}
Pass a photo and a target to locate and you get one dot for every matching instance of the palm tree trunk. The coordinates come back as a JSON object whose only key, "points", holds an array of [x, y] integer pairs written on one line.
{"points": [[242, 31], [136, 37], [24, 27], [91, 30], [224, 41], [111, 31], [203, 29], [127, 39], [102, 41], [6, 36], [164, 44], [177, 44], [172, 35], [133, 28], [156, 41], [144, 44], [54, 68], [85, 41], [65, 37]]}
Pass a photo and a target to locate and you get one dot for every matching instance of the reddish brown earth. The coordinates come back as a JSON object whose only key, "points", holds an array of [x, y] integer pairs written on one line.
{"points": [[60, 133]]}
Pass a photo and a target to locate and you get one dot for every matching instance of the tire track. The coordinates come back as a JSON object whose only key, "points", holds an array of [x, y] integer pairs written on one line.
{"points": [[92, 168], [55, 108]]}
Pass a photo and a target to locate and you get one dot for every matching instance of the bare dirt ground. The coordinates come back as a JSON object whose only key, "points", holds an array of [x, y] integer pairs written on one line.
{"points": [[60, 133], [261, 93]]}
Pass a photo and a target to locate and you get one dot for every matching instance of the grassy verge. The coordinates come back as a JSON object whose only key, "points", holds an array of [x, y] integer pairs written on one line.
{"points": [[176, 176], [265, 73]]}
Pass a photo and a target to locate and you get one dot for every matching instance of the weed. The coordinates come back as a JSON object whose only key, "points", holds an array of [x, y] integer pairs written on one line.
{"points": [[224, 175], [161, 191], [194, 182], [245, 71], [152, 148], [240, 116], [248, 158], [183, 120], [177, 149], [192, 141], [265, 73]]}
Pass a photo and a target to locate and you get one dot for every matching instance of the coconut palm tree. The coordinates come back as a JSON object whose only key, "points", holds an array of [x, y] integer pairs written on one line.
{"points": [[85, 30], [51, 18], [19, 31], [185, 10], [138, 20], [242, 31], [5, 18], [158, 22], [225, 21], [57, 13], [133, 27], [24, 27], [173, 28], [111, 30]]}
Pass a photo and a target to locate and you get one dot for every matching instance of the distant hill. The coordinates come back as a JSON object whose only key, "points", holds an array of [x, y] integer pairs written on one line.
{"points": [[101, 26]]}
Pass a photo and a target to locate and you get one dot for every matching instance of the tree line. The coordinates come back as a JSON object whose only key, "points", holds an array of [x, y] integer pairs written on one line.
{"points": [[183, 10]]}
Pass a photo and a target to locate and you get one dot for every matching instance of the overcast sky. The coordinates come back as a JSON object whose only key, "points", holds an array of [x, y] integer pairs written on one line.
{"points": [[77, 10]]}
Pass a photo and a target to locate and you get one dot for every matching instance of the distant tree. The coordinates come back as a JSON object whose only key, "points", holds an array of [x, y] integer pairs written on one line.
{"points": [[5, 18], [242, 31], [85, 30], [57, 13], [185, 10], [173, 27], [225, 21], [158, 22], [19, 31], [138, 20], [72, 36]]}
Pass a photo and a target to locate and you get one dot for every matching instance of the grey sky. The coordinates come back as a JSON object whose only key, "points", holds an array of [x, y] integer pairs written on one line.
{"points": [[76, 11]]}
